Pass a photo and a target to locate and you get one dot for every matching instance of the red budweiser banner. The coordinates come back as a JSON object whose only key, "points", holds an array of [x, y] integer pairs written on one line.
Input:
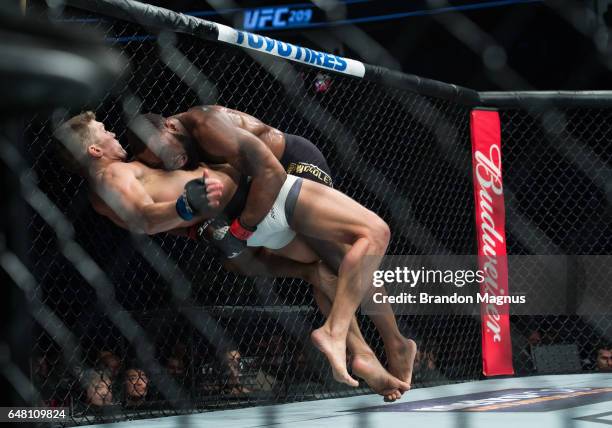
{"points": [[491, 232]]}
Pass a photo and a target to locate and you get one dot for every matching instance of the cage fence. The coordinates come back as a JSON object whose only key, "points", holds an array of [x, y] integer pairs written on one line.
{"points": [[137, 327]]}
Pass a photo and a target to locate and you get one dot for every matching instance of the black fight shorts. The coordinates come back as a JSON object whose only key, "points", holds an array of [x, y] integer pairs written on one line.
{"points": [[303, 159]]}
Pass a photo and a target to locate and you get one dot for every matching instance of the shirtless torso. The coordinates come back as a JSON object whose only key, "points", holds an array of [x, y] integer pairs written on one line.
{"points": [[166, 186]]}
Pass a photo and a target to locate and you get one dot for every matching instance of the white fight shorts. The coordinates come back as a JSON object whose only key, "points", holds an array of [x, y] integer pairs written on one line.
{"points": [[274, 232]]}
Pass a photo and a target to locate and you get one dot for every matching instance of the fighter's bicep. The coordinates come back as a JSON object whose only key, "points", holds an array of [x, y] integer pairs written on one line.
{"points": [[125, 194], [240, 148], [218, 134]]}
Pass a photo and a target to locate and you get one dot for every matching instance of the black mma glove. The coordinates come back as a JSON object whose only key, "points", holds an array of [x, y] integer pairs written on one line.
{"points": [[218, 233], [194, 199]]}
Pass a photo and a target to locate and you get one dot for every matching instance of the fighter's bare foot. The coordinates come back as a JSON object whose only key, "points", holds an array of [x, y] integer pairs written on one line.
{"points": [[334, 350], [367, 367], [401, 359]]}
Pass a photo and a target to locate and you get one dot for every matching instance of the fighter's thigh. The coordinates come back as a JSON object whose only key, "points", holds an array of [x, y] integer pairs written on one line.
{"points": [[324, 213], [330, 252], [297, 250]]}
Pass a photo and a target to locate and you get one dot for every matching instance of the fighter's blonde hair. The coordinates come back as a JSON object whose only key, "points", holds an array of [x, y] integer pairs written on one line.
{"points": [[76, 138]]}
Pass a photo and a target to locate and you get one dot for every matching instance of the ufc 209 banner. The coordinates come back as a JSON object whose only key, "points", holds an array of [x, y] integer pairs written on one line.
{"points": [[485, 130]]}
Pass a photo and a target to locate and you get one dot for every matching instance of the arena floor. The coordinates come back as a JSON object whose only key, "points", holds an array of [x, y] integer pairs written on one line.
{"points": [[540, 401]]}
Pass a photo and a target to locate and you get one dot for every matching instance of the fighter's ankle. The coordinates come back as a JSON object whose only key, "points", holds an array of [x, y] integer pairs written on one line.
{"points": [[396, 343], [363, 354], [338, 334]]}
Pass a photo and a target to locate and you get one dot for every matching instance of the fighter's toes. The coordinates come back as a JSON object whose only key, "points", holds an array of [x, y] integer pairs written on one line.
{"points": [[347, 379], [334, 350]]}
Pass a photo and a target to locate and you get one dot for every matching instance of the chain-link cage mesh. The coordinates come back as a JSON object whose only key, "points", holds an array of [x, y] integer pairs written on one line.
{"points": [[557, 181], [162, 329], [232, 341]]}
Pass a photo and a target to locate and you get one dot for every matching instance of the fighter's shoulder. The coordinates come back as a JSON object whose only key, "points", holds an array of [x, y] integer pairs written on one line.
{"points": [[205, 111], [121, 170]]}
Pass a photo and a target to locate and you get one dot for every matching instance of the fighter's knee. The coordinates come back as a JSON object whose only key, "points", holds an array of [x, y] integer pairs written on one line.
{"points": [[379, 232]]}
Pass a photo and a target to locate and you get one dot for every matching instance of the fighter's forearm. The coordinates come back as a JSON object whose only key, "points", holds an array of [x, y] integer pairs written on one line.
{"points": [[160, 217], [267, 174], [265, 187]]}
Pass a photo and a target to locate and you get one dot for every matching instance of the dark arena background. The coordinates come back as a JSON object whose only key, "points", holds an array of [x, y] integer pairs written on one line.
{"points": [[88, 306]]}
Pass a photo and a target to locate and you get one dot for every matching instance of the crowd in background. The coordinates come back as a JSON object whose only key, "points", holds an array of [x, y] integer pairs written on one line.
{"points": [[116, 381]]}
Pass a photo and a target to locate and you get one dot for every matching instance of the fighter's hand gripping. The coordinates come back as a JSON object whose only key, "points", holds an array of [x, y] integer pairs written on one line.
{"points": [[200, 196]]}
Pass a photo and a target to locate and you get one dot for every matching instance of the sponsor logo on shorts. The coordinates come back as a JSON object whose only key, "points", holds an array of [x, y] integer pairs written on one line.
{"points": [[308, 168], [220, 233], [506, 400]]}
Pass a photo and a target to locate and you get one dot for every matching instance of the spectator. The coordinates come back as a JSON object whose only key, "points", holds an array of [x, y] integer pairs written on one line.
{"points": [[110, 362], [136, 387], [270, 361], [233, 364], [40, 367], [179, 350], [98, 388], [425, 366], [604, 360], [523, 353], [425, 360], [42, 378], [40, 371], [534, 338], [175, 367]]}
